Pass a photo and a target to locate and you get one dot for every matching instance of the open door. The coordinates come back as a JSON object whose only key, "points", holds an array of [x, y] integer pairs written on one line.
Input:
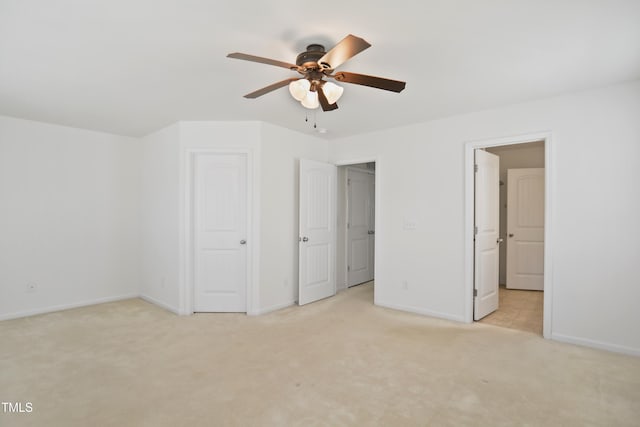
{"points": [[525, 225], [487, 228], [317, 242]]}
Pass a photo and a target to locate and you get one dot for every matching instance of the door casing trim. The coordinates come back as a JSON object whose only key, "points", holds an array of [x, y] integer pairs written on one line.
{"points": [[549, 187]]}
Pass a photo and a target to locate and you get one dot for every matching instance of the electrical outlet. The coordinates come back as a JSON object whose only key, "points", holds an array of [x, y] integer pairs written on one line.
{"points": [[405, 285], [31, 288], [285, 283], [163, 282], [410, 224]]}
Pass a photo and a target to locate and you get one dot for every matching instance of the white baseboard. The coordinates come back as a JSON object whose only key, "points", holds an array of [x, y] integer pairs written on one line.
{"points": [[61, 307], [159, 303], [422, 311], [266, 310], [596, 344]]}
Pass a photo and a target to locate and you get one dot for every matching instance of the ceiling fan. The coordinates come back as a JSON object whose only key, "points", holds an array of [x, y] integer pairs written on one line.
{"points": [[314, 64]]}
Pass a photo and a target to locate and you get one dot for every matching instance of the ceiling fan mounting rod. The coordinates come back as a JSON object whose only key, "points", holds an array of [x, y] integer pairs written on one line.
{"points": [[309, 58], [314, 75]]}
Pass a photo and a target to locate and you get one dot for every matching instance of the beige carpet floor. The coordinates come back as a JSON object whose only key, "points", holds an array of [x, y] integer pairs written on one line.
{"points": [[341, 361]]}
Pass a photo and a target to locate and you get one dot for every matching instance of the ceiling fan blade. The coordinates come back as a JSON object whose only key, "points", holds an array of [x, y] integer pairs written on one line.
{"points": [[347, 48], [270, 88], [252, 58], [324, 102], [371, 81]]}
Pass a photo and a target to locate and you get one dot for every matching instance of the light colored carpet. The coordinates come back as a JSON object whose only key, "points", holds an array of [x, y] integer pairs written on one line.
{"points": [[341, 361]]}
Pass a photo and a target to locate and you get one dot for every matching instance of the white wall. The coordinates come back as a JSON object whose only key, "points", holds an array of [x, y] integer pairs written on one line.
{"points": [[596, 246], [529, 155], [159, 218], [68, 217], [282, 150]]}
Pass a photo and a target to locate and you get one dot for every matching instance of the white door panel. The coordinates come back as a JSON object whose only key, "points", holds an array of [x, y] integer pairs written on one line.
{"points": [[487, 221], [525, 228], [359, 255], [219, 225], [318, 218]]}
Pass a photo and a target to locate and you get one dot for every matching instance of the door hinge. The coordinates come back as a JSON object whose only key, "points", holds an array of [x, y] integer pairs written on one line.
{"points": [[475, 229], [349, 181], [348, 268], [348, 225], [475, 168], [475, 292]]}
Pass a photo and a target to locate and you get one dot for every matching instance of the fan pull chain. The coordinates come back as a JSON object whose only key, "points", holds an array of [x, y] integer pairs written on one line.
{"points": [[315, 119]]}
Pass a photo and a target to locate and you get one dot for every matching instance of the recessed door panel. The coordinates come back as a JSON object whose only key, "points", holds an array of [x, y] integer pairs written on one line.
{"points": [[317, 271], [220, 201], [318, 184], [359, 255]]}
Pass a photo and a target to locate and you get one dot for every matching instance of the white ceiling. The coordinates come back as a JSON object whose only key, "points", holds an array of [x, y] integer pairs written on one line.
{"points": [[132, 67]]}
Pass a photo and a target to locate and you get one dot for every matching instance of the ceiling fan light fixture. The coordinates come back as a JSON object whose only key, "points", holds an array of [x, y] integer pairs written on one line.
{"points": [[310, 101], [299, 89], [332, 91], [314, 65]]}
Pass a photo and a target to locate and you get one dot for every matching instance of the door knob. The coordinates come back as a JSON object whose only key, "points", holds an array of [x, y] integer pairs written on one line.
{"points": [[371, 232], [500, 240], [510, 234], [305, 239], [243, 242]]}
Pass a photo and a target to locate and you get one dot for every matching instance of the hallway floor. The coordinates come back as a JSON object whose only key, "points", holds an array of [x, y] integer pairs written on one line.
{"points": [[518, 309]]}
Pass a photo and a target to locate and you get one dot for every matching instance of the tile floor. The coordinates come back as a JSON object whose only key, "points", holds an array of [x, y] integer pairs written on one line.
{"points": [[518, 309]]}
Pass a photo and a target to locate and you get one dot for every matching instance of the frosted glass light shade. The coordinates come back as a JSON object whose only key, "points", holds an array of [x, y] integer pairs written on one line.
{"points": [[311, 100], [332, 91], [299, 88]]}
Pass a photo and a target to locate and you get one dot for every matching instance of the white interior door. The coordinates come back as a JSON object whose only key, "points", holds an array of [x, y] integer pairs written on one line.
{"points": [[372, 232], [220, 232], [487, 242], [525, 228], [318, 220], [360, 226]]}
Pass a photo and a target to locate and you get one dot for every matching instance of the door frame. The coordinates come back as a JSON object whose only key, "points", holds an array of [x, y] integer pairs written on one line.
{"points": [[348, 206], [549, 187], [187, 251], [377, 220]]}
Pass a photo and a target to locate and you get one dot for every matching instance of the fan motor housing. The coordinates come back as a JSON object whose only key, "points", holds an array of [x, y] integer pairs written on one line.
{"points": [[309, 59]]}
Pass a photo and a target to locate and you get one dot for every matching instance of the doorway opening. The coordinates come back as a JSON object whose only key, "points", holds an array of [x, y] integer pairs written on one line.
{"points": [[508, 230], [356, 226], [521, 253], [327, 201]]}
